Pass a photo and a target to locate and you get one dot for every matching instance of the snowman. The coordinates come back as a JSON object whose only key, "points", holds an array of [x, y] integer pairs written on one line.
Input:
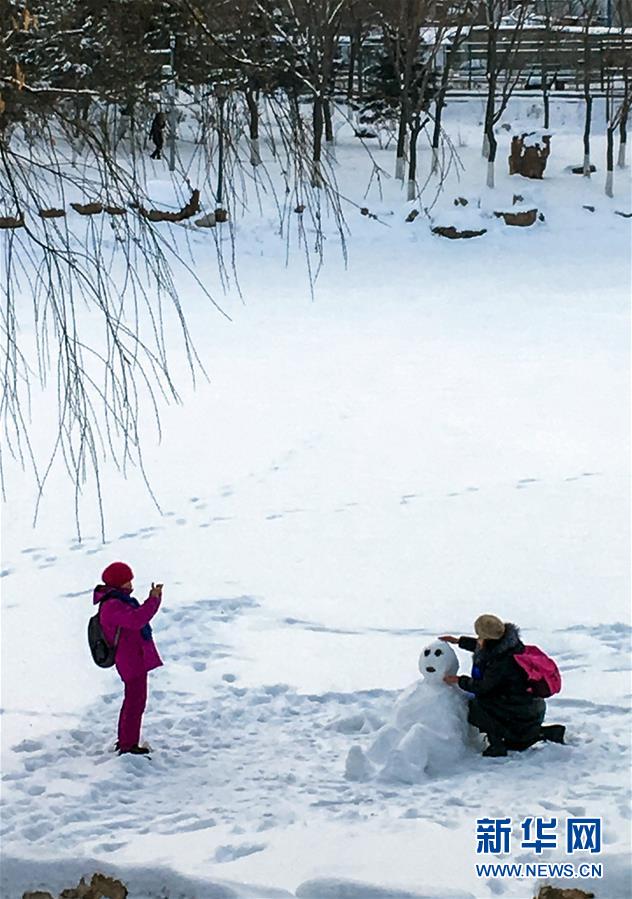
{"points": [[428, 731]]}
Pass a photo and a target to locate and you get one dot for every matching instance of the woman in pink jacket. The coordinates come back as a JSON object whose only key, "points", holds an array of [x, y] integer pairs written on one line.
{"points": [[125, 624]]}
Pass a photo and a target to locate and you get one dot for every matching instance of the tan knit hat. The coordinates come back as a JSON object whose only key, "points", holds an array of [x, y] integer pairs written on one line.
{"points": [[489, 627]]}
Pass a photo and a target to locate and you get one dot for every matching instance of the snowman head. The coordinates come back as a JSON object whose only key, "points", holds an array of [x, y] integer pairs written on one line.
{"points": [[436, 660]]}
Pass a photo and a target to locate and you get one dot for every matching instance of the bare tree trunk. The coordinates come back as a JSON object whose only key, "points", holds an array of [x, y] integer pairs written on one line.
{"points": [[220, 155], [400, 163], [545, 97], [318, 121], [587, 123], [439, 105], [623, 134], [490, 105], [489, 140], [436, 135], [587, 95], [610, 161], [253, 126], [330, 140], [360, 65]]}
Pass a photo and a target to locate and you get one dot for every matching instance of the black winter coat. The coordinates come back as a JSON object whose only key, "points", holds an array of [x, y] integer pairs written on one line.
{"points": [[502, 703]]}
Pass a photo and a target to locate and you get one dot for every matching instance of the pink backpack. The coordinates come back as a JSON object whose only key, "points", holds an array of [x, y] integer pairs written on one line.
{"points": [[544, 677]]}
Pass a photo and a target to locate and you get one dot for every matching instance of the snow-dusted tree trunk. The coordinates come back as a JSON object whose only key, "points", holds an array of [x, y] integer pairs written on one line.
{"points": [[415, 128], [609, 183], [490, 173]]}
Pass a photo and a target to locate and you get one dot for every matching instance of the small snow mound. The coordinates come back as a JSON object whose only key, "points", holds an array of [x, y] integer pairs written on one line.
{"points": [[357, 766], [360, 723], [333, 888]]}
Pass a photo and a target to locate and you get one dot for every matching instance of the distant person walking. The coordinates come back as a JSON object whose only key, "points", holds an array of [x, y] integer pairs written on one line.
{"points": [[157, 134], [125, 624]]}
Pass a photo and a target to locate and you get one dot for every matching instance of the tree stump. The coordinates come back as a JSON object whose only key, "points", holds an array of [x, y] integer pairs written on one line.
{"points": [[529, 153], [559, 893], [522, 219]]}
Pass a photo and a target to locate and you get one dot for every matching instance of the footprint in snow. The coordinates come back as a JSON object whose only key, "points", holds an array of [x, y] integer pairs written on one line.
{"points": [[6, 572], [110, 847], [584, 474], [524, 482], [28, 746], [230, 853]]}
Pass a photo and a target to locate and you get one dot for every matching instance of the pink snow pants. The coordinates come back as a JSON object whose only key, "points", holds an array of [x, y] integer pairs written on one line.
{"points": [[131, 715]]}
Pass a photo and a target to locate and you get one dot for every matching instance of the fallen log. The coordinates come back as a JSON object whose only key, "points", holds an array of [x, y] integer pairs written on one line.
{"points": [[51, 213], [11, 222], [160, 215], [87, 208], [455, 234]]}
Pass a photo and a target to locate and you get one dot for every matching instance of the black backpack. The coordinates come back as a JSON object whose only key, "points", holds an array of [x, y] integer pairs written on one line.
{"points": [[102, 652]]}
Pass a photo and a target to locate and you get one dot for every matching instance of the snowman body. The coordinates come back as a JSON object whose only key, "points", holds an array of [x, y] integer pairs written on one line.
{"points": [[428, 732]]}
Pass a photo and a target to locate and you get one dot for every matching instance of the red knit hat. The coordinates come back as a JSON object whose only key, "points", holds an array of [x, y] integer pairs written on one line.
{"points": [[117, 574]]}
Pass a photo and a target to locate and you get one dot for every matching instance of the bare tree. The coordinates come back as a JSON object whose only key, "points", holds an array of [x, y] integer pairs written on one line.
{"points": [[588, 11], [453, 34], [502, 69]]}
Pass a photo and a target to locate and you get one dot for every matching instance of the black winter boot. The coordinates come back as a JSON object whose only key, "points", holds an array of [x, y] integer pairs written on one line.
{"points": [[553, 733], [134, 750], [496, 749]]}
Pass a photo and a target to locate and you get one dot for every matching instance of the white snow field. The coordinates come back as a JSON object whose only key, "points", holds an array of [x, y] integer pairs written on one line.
{"points": [[443, 431]]}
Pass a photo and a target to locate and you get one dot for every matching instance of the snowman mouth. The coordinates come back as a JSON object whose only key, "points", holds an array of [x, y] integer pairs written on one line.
{"points": [[431, 669]]}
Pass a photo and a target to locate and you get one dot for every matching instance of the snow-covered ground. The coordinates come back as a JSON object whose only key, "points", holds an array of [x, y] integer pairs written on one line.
{"points": [[443, 431]]}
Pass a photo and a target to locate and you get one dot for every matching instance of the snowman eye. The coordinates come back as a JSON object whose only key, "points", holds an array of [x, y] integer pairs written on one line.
{"points": [[426, 652], [438, 652]]}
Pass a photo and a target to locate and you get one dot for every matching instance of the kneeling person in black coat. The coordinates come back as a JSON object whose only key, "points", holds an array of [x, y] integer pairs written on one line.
{"points": [[501, 707]]}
